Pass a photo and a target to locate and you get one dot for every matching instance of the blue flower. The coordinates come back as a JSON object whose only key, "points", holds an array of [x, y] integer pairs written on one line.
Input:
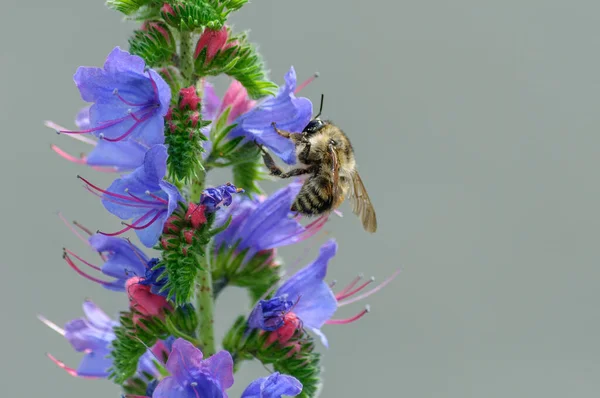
{"points": [[262, 225], [269, 314], [215, 197], [314, 301], [286, 110], [273, 386], [105, 156], [122, 260], [143, 196], [93, 336], [306, 300], [192, 377], [130, 101], [156, 278]]}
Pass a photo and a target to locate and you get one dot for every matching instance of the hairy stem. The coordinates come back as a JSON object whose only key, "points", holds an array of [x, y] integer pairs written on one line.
{"points": [[205, 308], [186, 56]]}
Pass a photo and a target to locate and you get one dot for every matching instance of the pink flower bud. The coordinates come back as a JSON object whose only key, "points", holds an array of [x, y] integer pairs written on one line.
{"points": [[196, 215], [213, 41], [188, 235], [143, 301], [188, 98]]}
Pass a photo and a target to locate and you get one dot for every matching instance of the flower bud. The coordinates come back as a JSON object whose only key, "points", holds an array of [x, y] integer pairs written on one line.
{"points": [[144, 302], [196, 215], [213, 41]]}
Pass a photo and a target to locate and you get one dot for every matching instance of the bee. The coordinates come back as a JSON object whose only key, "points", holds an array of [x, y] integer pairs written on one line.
{"points": [[325, 152]]}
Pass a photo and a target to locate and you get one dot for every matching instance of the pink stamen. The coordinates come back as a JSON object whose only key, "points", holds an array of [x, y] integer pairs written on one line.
{"points": [[58, 128], [138, 227], [341, 296], [349, 320], [136, 253], [80, 272], [100, 127], [51, 325], [143, 200], [306, 82], [116, 195], [160, 199], [68, 224], [116, 93], [351, 285], [127, 228], [120, 201], [69, 370], [84, 229], [130, 130], [83, 261], [370, 292], [68, 156]]}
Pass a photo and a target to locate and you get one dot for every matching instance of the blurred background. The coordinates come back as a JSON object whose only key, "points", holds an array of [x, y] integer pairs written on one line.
{"points": [[476, 129]]}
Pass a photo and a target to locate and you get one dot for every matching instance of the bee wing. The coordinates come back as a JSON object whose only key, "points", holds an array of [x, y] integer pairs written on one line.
{"points": [[361, 203], [335, 169]]}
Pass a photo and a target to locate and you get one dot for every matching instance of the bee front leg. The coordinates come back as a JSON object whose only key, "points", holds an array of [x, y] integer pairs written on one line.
{"points": [[283, 133]]}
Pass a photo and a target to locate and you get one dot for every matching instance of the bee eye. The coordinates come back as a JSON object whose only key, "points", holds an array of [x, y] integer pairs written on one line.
{"points": [[333, 142]]}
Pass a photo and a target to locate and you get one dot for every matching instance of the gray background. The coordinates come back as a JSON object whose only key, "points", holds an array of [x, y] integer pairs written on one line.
{"points": [[476, 130]]}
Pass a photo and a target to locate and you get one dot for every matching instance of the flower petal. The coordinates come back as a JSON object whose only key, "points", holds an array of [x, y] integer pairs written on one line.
{"points": [[210, 102], [125, 155], [220, 368], [273, 386], [95, 364], [183, 361], [316, 302], [124, 259], [97, 317]]}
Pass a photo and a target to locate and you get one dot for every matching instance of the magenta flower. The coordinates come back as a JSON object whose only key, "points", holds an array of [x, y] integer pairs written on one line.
{"points": [[192, 376], [273, 386], [236, 98], [142, 196], [130, 101]]}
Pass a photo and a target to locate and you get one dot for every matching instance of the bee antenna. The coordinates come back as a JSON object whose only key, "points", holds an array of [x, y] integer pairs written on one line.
{"points": [[320, 107]]}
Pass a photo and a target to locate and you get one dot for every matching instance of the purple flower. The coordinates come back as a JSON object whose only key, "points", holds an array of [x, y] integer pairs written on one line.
{"points": [[142, 196], [192, 377], [130, 101], [286, 110], [122, 260], [273, 386], [93, 335], [314, 303], [236, 98], [215, 197], [259, 225]]}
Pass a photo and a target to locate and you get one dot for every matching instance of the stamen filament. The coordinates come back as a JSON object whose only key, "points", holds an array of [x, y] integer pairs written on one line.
{"points": [[116, 195], [51, 325], [68, 224], [142, 200], [98, 128], [67, 156], [306, 82], [349, 320], [80, 272], [370, 292], [130, 130], [161, 199], [351, 285], [116, 93], [136, 227], [128, 227], [83, 261], [68, 369], [341, 296]]}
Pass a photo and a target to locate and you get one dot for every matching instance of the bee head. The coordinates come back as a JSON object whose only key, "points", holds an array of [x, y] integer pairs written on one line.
{"points": [[313, 127]]}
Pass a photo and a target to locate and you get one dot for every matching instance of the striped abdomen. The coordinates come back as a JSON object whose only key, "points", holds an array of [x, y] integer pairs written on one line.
{"points": [[315, 196]]}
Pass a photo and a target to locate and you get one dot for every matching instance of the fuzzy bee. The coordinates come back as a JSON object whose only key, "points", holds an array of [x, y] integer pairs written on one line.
{"points": [[325, 153]]}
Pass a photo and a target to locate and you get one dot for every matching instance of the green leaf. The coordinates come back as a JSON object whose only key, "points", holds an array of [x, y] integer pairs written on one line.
{"points": [[193, 15], [247, 168], [155, 44], [127, 7], [240, 61]]}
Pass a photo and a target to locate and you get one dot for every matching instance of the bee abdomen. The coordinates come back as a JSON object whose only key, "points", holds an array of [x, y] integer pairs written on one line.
{"points": [[314, 198]]}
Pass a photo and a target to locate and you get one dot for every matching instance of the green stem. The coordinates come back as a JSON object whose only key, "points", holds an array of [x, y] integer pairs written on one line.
{"points": [[186, 56], [205, 308]]}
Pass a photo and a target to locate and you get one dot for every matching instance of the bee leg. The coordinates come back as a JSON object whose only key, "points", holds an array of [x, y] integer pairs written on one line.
{"points": [[284, 134]]}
